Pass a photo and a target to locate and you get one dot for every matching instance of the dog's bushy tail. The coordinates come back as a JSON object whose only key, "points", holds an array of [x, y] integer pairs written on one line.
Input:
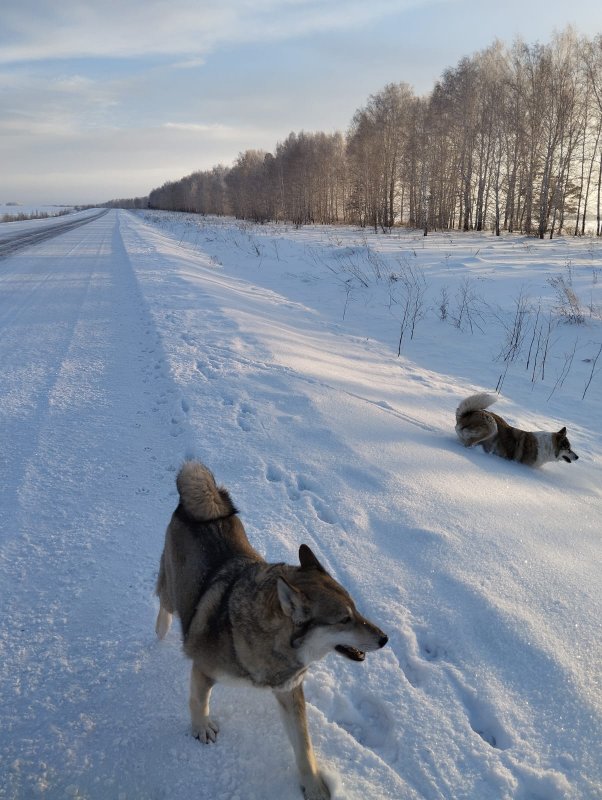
{"points": [[199, 494], [476, 402]]}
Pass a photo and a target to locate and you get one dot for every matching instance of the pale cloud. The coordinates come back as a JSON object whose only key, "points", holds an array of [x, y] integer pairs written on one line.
{"points": [[36, 30], [217, 131], [42, 103], [44, 29], [189, 63]]}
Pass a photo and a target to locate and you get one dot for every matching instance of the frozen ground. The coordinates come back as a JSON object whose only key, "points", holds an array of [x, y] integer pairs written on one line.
{"points": [[138, 340]]}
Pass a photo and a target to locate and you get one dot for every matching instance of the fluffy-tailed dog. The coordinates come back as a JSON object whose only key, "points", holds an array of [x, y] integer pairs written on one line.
{"points": [[475, 425], [245, 619]]}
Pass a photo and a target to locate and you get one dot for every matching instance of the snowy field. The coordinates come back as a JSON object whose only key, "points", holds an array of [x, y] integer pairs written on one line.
{"points": [[271, 353], [32, 209], [9, 229]]}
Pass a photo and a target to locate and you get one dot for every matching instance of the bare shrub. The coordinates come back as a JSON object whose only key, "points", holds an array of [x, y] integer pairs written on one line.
{"points": [[443, 303], [516, 332], [568, 305], [543, 333], [468, 307], [593, 371], [412, 286], [566, 368]]}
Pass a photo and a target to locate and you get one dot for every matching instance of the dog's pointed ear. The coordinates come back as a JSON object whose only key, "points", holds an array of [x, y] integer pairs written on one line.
{"points": [[291, 601], [562, 432], [308, 560]]}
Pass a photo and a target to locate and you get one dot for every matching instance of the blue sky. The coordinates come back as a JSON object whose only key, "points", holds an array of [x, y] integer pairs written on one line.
{"points": [[109, 99]]}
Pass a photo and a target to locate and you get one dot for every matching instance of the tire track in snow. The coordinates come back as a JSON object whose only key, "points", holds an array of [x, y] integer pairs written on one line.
{"points": [[12, 244]]}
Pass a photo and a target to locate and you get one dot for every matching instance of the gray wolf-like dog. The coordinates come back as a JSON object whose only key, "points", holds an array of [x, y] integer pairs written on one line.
{"points": [[245, 619], [475, 425]]}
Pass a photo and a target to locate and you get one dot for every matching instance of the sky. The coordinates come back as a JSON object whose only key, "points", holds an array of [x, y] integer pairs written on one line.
{"points": [[102, 100]]}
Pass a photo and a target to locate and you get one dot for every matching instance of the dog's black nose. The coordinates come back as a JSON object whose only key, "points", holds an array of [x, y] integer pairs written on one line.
{"points": [[383, 640]]}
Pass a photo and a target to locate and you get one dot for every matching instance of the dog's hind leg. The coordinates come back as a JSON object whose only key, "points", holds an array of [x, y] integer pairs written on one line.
{"points": [[294, 716], [163, 622], [203, 728], [478, 432], [165, 614]]}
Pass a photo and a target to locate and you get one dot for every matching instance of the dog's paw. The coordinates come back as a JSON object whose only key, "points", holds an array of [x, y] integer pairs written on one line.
{"points": [[205, 730], [315, 788]]}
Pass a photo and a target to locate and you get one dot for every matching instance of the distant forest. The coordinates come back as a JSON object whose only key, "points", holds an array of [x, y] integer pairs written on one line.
{"points": [[510, 139]]}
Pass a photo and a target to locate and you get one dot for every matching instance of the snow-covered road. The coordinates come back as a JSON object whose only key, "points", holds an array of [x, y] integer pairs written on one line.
{"points": [[79, 452], [124, 351], [15, 236]]}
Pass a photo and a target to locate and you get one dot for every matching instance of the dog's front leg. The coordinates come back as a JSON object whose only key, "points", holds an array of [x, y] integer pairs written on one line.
{"points": [[204, 728], [292, 708]]}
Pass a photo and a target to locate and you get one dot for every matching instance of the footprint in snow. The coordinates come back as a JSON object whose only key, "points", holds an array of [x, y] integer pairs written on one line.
{"points": [[206, 370], [413, 671], [417, 655], [302, 486], [274, 474], [429, 648], [293, 493], [366, 719], [176, 428], [245, 417], [483, 719], [323, 512], [305, 484]]}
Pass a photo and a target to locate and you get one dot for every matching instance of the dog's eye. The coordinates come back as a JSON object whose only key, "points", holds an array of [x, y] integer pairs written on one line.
{"points": [[345, 620]]}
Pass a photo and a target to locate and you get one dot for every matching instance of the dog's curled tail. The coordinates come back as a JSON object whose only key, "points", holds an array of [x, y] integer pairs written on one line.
{"points": [[199, 494], [476, 402]]}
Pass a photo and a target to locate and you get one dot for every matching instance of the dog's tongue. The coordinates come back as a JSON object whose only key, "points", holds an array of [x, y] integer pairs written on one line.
{"points": [[351, 652]]}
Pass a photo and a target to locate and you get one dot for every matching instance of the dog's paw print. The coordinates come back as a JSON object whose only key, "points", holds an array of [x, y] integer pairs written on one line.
{"points": [[274, 473], [246, 417], [323, 512]]}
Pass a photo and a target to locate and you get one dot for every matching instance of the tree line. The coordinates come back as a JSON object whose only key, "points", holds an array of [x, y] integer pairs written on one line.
{"points": [[508, 139]]}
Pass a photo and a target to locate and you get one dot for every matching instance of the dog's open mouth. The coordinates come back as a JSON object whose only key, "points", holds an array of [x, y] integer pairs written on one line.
{"points": [[350, 652], [567, 459]]}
